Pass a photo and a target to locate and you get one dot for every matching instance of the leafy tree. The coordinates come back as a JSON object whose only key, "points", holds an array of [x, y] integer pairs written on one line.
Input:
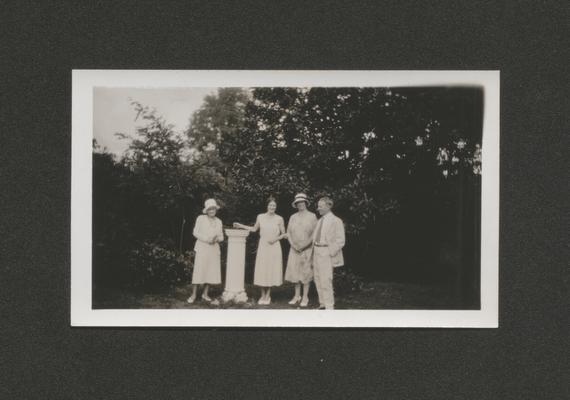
{"points": [[375, 150], [211, 136], [218, 118], [172, 182]]}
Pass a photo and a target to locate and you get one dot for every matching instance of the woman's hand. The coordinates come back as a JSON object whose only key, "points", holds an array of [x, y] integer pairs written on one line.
{"points": [[237, 225], [295, 247], [303, 248]]}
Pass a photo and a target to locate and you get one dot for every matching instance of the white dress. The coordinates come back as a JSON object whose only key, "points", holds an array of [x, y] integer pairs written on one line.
{"points": [[207, 265], [269, 259], [300, 233]]}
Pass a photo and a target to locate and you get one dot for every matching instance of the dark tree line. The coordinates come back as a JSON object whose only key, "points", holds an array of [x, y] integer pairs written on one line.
{"points": [[402, 164]]}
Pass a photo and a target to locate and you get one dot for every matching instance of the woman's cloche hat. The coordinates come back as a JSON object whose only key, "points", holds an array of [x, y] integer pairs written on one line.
{"points": [[210, 203], [298, 198]]}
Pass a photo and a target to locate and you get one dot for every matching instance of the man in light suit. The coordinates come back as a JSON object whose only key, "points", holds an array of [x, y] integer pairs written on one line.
{"points": [[328, 241]]}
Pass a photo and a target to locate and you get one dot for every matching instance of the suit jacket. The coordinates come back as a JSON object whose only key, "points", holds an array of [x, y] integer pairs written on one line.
{"points": [[332, 234]]}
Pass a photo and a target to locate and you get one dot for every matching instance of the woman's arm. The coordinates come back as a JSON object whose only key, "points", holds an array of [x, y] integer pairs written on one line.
{"points": [[198, 231], [282, 232], [253, 228], [306, 245], [309, 242], [293, 244]]}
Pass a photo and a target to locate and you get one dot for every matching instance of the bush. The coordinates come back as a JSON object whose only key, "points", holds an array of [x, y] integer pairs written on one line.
{"points": [[346, 282], [155, 266], [110, 265]]}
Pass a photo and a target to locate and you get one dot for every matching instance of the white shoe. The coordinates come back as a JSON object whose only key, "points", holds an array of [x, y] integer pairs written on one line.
{"points": [[304, 303], [261, 302], [295, 300], [191, 300]]}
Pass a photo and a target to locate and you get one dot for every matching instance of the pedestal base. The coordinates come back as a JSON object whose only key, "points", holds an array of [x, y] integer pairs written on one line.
{"points": [[236, 297]]}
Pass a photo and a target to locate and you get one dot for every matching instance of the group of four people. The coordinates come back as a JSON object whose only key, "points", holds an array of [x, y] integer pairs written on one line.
{"points": [[316, 248]]}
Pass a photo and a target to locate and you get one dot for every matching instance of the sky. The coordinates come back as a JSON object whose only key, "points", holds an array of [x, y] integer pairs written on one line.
{"points": [[112, 111]]}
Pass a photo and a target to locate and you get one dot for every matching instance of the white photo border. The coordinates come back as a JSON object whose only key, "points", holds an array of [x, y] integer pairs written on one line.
{"points": [[82, 314]]}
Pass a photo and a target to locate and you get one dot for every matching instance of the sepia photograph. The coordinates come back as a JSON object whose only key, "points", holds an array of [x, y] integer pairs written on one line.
{"points": [[285, 198]]}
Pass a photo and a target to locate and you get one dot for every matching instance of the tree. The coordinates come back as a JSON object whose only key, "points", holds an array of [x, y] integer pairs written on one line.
{"points": [[376, 150], [172, 182], [221, 115], [212, 133]]}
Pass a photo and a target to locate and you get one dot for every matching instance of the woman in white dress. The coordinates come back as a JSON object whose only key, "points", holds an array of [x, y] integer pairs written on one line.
{"points": [[300, 234], [269, 259], [207, 267]]}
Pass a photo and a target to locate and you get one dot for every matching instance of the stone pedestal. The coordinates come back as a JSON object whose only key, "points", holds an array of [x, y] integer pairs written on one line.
{"points": [[235, 267]]}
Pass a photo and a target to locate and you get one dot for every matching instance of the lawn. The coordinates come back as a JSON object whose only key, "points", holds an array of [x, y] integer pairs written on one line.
{"points": [[373, 295]]}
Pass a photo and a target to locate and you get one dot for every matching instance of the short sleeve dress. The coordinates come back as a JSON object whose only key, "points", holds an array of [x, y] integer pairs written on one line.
{"points": [[300, 233], [269, 260], [207, 264]]}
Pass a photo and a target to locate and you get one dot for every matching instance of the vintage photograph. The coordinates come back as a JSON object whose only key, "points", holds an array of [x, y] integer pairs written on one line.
{"points": [[290, 198]]}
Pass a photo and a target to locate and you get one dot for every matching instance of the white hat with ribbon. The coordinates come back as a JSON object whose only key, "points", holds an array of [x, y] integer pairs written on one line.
{"points": [[298, 198], [210, 203]]}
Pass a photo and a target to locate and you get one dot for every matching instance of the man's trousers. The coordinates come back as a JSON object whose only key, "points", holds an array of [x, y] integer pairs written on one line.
{"points": [[323, 270]]}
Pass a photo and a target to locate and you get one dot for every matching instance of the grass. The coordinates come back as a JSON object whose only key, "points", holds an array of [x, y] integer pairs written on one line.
{"points": [[373, 295]]}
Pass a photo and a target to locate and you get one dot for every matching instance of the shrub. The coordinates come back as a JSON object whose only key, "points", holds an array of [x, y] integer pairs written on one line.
{"points": [[155, 266], [346, 282]]}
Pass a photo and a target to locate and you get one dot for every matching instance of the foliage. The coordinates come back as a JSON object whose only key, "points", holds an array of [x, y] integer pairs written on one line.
{"points": [[153, 265], [346, 282], [213, 129], [376, 151], [153, 192], [173, 184], [356, 144], [218, 119], [403, 166]]}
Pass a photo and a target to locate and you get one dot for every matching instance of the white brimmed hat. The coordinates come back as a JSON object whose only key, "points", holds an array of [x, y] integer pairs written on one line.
{"points": [[298, 198], [210, 203]]}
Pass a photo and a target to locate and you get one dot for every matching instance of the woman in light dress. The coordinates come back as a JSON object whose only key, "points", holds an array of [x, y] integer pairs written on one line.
{"points": [[207, 267], [269, 259], [300, 234]]}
